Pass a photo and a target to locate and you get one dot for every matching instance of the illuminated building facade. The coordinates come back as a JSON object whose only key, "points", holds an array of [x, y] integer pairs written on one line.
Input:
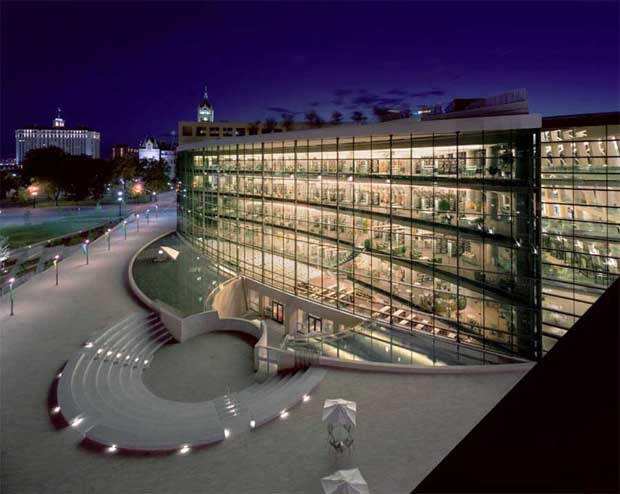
{"points": [[71, 141], [580, 216], [430, 227]]}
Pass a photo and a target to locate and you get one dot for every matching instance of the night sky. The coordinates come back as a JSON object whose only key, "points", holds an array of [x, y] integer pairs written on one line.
{"points": [[135, 69]]}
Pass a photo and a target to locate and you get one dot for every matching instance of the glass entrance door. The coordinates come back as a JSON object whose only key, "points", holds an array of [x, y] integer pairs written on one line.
{"points": [[315, 324], [277, 312]]}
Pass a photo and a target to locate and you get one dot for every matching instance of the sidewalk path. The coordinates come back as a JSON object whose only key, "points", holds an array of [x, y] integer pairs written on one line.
{"points": [[406, 423]]}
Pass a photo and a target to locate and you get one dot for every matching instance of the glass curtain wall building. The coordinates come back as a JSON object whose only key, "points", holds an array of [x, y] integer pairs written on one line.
{"points": [[580, 216], [429, 227]]}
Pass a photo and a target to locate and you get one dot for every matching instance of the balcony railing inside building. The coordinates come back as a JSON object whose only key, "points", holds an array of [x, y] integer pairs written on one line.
{"points": [[371, 341]]}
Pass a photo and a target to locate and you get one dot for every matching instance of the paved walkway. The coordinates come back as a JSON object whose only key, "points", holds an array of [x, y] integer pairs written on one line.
{"points": [[406, 423]]}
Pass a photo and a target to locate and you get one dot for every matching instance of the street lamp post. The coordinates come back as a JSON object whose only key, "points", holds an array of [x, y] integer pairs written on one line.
{"points": [[56, 259], [120, 202], [107, 234], [11, 281], [154, 196], [125, 228], [156, 211], [34, 199], [86, 242]]}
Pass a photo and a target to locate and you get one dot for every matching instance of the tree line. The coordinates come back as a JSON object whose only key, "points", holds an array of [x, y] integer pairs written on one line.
{"points": [[78, 177], [314, 120]]}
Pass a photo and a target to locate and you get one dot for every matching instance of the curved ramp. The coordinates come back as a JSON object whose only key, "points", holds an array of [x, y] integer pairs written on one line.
{"points": [[101, 394]]}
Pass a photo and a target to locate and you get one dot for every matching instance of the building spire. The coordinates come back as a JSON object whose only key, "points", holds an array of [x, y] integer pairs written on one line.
{"points": [[206, 96], [59, 121]]}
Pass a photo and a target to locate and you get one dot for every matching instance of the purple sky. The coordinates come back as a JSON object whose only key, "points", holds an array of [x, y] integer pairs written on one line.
{"points": [[134, 69]]}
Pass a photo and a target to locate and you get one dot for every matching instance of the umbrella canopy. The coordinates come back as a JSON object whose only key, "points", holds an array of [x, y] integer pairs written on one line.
{"points": [[339, 412], [173, 254], [345, 482]]}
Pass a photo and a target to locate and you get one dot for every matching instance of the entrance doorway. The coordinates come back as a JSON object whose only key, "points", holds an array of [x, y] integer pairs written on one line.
{"points": [[315, 324], [277, 312]]}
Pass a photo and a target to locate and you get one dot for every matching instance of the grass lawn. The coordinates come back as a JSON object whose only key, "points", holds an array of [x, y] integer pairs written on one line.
{"points": [[23, 235]]}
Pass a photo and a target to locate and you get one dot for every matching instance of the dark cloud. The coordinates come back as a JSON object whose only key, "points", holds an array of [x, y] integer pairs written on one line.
{"points": [[391, 101], [366, 100], [426, 94], [342, 92], [278, 109], [315, 103], [397, 92]]}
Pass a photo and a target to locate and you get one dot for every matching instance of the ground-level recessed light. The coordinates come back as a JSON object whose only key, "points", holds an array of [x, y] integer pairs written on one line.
{"points": [[118, 355], [306, 398], [99, 351], [113, 449], [146, 362], [55, 410], [252, 424], [283, 414], [89, 345], [59, 375], [226, 433], [184, 449], [76, 421]]}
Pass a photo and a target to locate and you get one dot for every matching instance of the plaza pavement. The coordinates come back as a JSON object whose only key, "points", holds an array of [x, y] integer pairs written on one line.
{"points": [[406, 423]]}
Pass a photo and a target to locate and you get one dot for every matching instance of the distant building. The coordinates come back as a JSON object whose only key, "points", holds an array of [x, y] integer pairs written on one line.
{"points": [[120, 150], [206, 128], [79, 140], [205, 109], [153, 149]]}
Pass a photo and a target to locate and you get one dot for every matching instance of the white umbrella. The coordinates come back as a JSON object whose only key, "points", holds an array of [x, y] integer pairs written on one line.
{"points": [[345, 482], [339, 412], [173, 254]]}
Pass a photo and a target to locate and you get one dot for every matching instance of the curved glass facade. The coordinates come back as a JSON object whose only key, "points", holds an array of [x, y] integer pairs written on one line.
{"points": [[434, 233], [580, 216]]}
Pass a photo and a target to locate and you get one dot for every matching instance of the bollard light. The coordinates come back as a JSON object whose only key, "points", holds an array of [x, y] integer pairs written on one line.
{"points": [[85, 247], [107, 234], [56, 260], [138, 221], [11, 281], [125, 228]]}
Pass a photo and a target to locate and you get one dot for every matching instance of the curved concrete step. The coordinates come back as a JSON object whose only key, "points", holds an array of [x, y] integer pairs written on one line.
{"points": [[102, 395]]}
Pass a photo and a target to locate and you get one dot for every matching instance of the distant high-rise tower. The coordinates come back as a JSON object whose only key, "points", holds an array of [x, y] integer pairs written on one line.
{"points": [[205, 110]]}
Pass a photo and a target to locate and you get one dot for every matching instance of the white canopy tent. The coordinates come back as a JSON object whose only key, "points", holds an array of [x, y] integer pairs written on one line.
{"points": [[345, 482], [340, 412]]}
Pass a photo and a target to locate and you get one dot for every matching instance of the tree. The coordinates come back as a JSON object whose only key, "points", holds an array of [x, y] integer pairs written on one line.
{"points": [[9, 180], [358, 117], [46, 165], [154, 174], [253, 128], [287, 121], [313, 119], [125, 168], [385, 114], [102, 174], [269, 125], [336, 118]]}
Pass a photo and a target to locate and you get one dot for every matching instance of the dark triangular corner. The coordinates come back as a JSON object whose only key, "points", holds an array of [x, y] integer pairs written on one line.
{"points": [[558, 429]]}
